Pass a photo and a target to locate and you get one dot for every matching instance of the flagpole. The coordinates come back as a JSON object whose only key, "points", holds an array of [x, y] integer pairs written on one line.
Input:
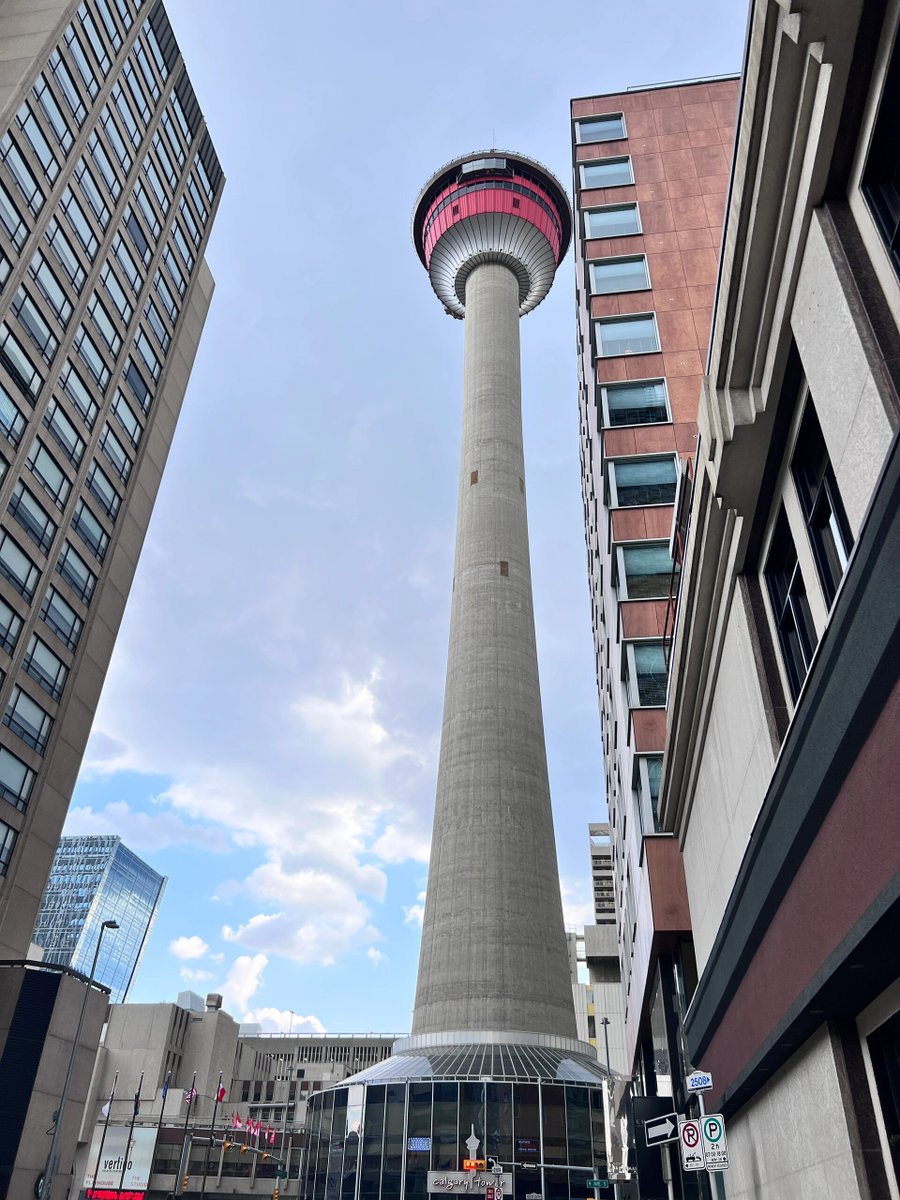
{"points": [[112, 1096], [184, 1135], [212, 1134], [162, 1109], [135, 1111]]}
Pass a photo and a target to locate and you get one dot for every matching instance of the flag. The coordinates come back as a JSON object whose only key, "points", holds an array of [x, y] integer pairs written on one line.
{"points": [[165, 1090], [189, 1094], [105, 1109], [266, 1133], [137, 1103], [221, 1095], [236, 1122], [271, 1137]]}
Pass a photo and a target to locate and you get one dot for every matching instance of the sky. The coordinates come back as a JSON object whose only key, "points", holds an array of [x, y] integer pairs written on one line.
{"points": [[268, 733]]}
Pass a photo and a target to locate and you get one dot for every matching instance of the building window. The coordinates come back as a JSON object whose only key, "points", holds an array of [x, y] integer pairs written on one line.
{"points": [[615, 220], [10, 627], [24, 507], [647, 676], [75, 571], [54, 114], [62, 618], [15, 779], [104, 325], [126, 418], [21, 173], [104, 165], [646, 778], [64, 432], [40, 147], [124, 110], [123, 257], [608, 128], [642, 403], [626, 335], [91, 357], [790, 606], [820, 500], [93, 36], [881, 177], [7, 845], [12, 422], [48, 671], [90, 530], [619, 275], [645, 571], [48, 473], [65, 256], [50, 288], [81, 226], [27, 720], [66, 84], [34, 325], [91, 193], [12, 222], [135, 381], [635, 483], [609, 172], [100, 486], [16, 567], [115, 139], [75, 388], [114, 451]]}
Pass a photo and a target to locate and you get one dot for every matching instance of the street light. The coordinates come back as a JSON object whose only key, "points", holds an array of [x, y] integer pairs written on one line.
{"points": [[50, 1169], [604, 1021]]}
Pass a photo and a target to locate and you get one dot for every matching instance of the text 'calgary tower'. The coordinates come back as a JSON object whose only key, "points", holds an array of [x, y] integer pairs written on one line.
{"points": [[492, 1068]]}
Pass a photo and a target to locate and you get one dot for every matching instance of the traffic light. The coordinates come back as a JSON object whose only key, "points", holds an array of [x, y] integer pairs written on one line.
{"points": [[226, 1145], [265, 1155], [185, 1184], [244, 1148]]}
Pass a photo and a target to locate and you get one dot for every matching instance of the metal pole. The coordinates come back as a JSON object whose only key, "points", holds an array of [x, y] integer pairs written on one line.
{"points": [[50, 1168], [109, 1104], [212, 1134], [184, 1164], [134, 1113], [604, 1021]]}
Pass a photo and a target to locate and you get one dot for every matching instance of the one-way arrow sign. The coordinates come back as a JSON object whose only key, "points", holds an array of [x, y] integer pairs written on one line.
{"points": [[661, 1129]]}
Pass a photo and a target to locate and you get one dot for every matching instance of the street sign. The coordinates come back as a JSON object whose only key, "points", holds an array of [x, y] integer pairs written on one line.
{"points": [[690, 1141], [715, 1148], [699, 1081], [598, 1183], [661, 1129], [489, 1192]]}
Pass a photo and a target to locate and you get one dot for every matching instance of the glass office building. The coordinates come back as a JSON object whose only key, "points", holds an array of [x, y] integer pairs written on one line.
{"points": [[96, 879]]}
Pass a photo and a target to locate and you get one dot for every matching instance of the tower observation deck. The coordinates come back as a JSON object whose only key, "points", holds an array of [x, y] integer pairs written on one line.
{"points": [[492, 1068]]}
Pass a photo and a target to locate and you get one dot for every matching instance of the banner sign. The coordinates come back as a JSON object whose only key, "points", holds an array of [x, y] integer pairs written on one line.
{"points": [[111, 1162]]}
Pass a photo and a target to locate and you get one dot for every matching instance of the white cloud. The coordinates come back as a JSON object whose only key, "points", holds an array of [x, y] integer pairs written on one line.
{"points": [[414, 914], [190, 975], [375, 955], [281, 1020], [243, 981], [145, 831], [188, 947]]}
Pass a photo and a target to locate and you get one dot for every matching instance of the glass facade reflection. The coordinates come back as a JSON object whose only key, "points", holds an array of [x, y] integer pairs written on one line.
{"points": [[378, 1141], [95, 879]]}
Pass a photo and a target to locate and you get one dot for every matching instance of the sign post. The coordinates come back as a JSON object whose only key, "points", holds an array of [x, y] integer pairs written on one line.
{"points": [[690, 1139], [715, 1147]]}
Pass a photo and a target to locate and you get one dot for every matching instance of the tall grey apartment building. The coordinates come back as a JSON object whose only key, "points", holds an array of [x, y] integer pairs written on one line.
{"points": [[108, 188]]}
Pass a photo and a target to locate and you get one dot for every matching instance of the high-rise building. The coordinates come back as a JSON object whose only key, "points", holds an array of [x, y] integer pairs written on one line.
{"points": [[108, 188], [95, 878], [493, 1072], [109, 185], [781, 764], [651, 171], [602, 883]]}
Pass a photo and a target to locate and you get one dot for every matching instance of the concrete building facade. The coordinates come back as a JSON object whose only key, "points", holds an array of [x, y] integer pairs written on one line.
{"points": [[781, 766], [109, 185], [651, 171], [95, 878], [267, 1077]]}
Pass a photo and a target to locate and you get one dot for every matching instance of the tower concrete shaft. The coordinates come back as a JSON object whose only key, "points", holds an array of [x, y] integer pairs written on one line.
{"points": [[493, 954]]}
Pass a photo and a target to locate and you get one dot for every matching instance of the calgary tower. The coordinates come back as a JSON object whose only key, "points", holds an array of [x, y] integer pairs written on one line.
{"points": [[491, 1090]]}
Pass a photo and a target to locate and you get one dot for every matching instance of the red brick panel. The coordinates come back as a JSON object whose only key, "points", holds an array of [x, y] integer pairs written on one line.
{"points": [[643, 618], [649, 730]]}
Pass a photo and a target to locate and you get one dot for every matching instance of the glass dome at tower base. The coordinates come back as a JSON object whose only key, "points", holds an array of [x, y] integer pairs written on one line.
{"points": [[408, 1123]]}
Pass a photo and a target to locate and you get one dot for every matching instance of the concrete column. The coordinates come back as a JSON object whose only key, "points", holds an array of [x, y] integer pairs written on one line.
{"points": [[493, 943]]}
